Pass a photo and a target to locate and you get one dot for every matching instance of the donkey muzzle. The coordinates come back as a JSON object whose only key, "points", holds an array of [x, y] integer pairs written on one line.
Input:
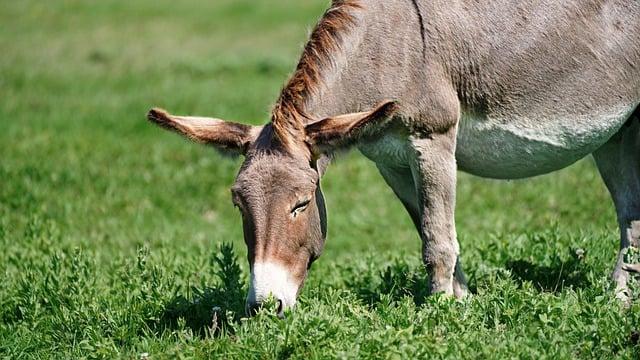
{"points": [[269, 279]]}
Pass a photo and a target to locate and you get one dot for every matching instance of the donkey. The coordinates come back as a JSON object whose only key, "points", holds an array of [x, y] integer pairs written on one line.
{"points": [[500, 89]]}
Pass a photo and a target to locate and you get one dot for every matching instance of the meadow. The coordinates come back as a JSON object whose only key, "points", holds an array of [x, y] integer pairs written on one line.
{"points": [[119, 240]]}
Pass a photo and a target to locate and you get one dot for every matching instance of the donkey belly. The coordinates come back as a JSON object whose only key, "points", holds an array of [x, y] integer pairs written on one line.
{"points": [[521, 147]]}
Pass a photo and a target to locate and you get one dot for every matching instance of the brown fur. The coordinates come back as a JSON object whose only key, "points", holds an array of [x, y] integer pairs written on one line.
{"points": [[289, 115], [227, 136], [343, 131]]}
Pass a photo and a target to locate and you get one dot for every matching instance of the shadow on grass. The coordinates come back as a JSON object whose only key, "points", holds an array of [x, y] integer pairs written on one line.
{"points": [[551, 278], [209, 311], [400, 280], [396, 281]]}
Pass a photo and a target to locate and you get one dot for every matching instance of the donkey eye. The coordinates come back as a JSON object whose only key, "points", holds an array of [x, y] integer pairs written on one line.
{"points": [[300, 206]]}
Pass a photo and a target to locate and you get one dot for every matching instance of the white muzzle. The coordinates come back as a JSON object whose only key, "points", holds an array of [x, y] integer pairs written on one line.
{"points": [[269, 278]]}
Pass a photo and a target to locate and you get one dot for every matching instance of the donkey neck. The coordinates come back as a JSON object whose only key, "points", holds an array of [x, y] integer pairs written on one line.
{"points": [[359, 54], [379, 58]]}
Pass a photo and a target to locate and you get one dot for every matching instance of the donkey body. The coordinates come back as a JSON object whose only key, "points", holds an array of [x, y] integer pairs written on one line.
{"points": [[499, 89]]}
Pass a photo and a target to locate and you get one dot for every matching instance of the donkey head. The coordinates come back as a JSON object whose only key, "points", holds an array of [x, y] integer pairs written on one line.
{"points": [[277, 190]]}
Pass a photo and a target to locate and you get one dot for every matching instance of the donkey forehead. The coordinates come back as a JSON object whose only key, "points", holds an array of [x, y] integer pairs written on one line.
{"points": [[275, 173]]}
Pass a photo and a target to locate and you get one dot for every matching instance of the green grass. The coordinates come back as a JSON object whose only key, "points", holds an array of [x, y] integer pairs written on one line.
{"points": [[111, 229]]}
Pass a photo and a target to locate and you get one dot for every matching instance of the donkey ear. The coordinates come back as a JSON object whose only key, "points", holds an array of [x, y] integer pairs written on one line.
{"points": [[226, 136], [342, 131]]}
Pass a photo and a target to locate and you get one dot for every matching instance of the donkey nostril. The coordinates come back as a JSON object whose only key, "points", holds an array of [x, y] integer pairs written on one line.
{"points": [[280, 309], [252, 308]]}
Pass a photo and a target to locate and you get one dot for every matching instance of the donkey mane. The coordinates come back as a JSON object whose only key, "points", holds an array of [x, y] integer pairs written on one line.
{"points": [[289, 115]]}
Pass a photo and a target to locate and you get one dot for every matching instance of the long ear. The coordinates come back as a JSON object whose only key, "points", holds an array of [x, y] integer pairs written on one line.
{"points": [[345, 130], [226, 136]]}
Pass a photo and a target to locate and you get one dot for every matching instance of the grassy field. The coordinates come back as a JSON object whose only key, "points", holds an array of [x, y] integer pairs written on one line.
{"points": [[112, 231]]}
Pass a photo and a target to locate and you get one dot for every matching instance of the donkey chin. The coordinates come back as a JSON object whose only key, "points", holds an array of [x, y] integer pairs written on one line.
{"points": [[271, 280]]}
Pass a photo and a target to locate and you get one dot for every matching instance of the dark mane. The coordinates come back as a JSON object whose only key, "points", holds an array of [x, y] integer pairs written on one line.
{"points": [[288, 116]]}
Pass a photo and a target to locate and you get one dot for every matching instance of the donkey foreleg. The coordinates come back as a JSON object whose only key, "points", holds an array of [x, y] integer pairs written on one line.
{"points": [[434, 176], [400, 179]]}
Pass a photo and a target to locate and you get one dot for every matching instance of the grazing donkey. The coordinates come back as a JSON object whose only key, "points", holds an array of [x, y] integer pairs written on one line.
{"points": [[500, 89]]}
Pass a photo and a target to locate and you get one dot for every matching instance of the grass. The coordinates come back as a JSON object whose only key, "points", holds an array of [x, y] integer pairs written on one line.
{"points": [[119, 239]]}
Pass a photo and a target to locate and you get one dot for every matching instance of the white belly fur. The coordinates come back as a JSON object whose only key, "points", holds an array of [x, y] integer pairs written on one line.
{"points": [[518, 148], [514, 148]]}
